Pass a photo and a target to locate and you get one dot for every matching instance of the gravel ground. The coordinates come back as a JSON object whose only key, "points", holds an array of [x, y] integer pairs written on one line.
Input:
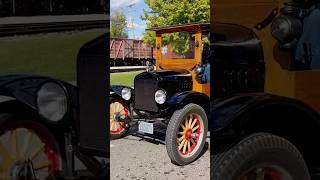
{"points": [[135, 158]]}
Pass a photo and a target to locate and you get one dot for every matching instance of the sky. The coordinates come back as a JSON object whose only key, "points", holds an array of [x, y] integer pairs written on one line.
{"points": [[133, 10]]}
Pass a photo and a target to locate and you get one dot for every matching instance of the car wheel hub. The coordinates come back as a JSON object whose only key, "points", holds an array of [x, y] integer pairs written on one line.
{"points": [[22, 170], [117, 116], [189, 134], [118, 111], [265, 173]]}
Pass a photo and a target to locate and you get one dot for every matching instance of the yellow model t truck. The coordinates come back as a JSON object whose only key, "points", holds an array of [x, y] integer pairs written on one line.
{"points": [[171, 101]]}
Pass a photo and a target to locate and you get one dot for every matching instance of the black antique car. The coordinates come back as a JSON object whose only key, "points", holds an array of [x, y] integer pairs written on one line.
{"points": [[172, 100], [47, 123]]}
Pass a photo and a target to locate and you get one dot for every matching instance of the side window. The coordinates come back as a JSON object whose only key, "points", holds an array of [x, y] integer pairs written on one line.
{"points": [[205, 47]]}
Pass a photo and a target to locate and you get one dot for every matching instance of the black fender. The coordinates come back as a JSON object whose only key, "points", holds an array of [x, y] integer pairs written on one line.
{"points": [[184, 98], [23, 88], [115, 90], [240, 115]]}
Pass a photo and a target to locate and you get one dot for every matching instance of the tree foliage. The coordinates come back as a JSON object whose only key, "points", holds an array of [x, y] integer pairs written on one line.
{"points": [[118, 25], [173, 12]]}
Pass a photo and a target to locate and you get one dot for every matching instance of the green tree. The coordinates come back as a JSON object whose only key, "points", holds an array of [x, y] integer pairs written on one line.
{"points": [[173, 12], [118, 24]]}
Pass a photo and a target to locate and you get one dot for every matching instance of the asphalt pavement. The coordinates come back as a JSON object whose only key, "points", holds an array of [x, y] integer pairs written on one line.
{"points": [[137, 159]]}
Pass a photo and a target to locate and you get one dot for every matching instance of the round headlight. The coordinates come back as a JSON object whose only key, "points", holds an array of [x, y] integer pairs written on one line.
{"points": [[199, 69], [286, 28], [160, 96], [52, 101], [126, 93]]}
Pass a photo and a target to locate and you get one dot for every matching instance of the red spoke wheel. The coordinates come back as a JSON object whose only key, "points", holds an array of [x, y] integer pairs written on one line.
{"points": [[27, 151], [118, 110], [259, 156], [189, 134], [186, 134]]}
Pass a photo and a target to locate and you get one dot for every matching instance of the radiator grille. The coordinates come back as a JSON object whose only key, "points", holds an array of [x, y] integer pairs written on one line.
{"points": [[144, 89]]}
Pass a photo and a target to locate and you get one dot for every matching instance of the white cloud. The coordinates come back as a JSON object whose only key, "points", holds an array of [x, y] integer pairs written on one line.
{"points": [[134, 25], [122, 3], [141, 26]]}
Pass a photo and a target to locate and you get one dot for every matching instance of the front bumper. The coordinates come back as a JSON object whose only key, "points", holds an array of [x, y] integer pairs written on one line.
{"points": [[159, 124], [159, 130]]}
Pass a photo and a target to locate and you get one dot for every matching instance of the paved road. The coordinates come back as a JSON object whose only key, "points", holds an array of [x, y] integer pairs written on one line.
{"points": [[134, 158]]}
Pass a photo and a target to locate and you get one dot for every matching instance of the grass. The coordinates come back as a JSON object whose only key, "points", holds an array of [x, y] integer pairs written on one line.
{"points": [[124, 78], [52, 54]]}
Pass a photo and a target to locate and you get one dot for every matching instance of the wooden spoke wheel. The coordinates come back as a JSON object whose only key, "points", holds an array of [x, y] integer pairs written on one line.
{"points": [[27, 151], [186, 134], [189, 134], [118, 110]]}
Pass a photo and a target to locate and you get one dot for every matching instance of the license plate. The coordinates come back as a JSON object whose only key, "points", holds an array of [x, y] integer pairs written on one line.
{"points": [[146, 127]]}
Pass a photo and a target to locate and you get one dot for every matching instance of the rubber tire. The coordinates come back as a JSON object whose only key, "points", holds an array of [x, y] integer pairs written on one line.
{"points": [[123, 133], [173, 127], [233, 158]]}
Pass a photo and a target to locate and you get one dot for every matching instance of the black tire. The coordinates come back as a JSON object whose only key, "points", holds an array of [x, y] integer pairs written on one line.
{"points": [[232, 160], [120, 134], [173, 128]]}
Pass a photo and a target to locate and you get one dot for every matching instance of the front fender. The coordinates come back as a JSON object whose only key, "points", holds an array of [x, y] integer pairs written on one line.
{"points": [[233, 113], [116, 89], [183, 98], [24, 88]]}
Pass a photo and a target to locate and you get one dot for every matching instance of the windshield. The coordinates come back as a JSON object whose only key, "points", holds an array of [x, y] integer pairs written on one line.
{"points": [[178, 45]]}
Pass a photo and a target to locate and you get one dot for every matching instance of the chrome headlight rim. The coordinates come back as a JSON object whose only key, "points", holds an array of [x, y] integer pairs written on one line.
{"points": [[164, 93], [199, 69], [126, 93], [285, 28], [66, 96]]}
